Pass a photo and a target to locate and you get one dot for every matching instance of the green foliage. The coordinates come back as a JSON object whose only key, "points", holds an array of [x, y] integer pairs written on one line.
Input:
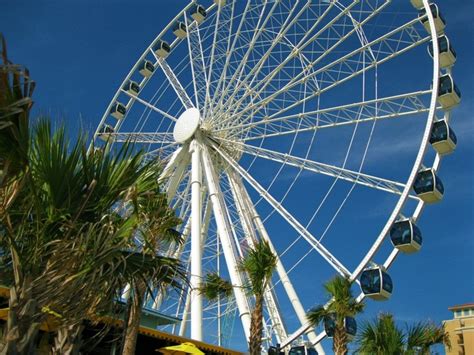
{"points": [[215, 286], [384, 337], [381, 337], [341, 304], [76, 224], [259, 264]]}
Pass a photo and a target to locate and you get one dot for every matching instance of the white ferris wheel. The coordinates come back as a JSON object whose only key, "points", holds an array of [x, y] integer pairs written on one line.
{"points": [[318, 126]]}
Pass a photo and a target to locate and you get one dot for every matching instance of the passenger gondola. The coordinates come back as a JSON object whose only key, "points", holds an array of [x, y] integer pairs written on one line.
{"points": [[146, 68], [302, 350], [350, 326], [198, 13], [118, 110], [443, 139], [428, 186], [132, 88], [179, 30], [105, 132], [449, 94], [220, 2], [376, 283], [440, 22], [162, 49], [447, 54], [406, 236]]}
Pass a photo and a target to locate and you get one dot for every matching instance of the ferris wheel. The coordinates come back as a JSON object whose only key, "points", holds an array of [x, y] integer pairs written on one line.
{"points": [[318, 126]]}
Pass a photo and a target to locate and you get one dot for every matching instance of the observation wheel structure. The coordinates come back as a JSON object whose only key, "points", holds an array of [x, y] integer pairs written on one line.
{"points": [[318, 126]]}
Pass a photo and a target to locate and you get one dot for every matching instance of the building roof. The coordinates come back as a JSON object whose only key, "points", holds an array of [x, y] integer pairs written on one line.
{"points": [[461, 306]]}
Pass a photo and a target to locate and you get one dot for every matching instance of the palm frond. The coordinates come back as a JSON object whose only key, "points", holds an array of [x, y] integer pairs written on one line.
{"points": [[259, 264], [317, 315], [215, 286]]}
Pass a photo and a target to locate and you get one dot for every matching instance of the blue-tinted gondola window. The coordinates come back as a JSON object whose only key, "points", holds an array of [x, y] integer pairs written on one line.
{"points": [[439, 185], [451, 48], [401, 233], [297, 350], [417, 237], [453, 137], [424, 182], [370, 281], [387, 283], [148, 66], [329, 326], [351, 326], [165, 46], [443, 44], [311, 351], [439, 132], [445, 85], [457, 91]]}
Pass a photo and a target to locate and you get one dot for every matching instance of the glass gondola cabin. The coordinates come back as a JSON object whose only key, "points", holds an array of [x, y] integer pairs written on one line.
{"points": [[449, 95], [105, 132], [406, 236], [440, 22], [162, 49], [447, 54], [442, 138], [179, 29], [132, 88], [376, 283], [198, 13], [350, 326], [146, 68], [428, 186], [302, 350], [118, 110]]}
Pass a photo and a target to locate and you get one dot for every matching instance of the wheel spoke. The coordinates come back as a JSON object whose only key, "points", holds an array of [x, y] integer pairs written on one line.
{"points": [[347, 67], [155, 138], [325, 169], [313, 242], [175, 83], [332, 39], [366, 111]]}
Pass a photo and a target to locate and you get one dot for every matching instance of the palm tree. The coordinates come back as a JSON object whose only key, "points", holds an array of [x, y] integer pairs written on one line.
{"points": [[341, 306], [70, 218], [384, 337], [69, 201], [381, 337], [258, 264]]}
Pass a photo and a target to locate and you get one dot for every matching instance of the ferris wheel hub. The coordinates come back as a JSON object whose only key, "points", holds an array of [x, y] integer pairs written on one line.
{"points": [[187, 125]]}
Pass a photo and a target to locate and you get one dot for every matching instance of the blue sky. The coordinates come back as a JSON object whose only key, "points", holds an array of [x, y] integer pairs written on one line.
{"points": [[78, 52]]}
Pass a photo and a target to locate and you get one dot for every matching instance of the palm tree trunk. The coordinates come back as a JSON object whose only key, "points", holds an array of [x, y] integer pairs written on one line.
{"points": [[133, 324], [340, 341], [256, 327], [68, 340]]}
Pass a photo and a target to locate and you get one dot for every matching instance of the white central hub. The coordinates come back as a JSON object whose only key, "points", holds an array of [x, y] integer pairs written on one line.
{"points": [[186, 125]]}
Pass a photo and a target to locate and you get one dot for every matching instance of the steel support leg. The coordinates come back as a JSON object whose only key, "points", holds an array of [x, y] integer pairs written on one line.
{"points": [[224, 232], [196, 247]]}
